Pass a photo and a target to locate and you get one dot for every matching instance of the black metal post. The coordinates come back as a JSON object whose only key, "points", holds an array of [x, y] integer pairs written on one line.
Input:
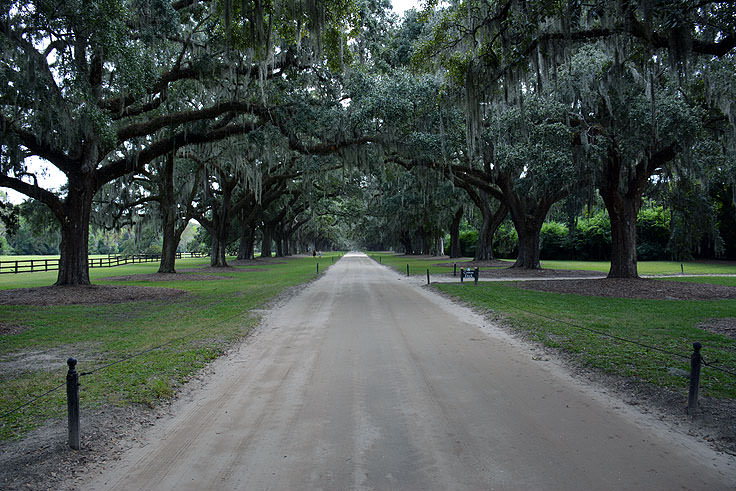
{"points": [[407, 269], [476, 274], [72, 403], [462, 274], [695, 361], [682, 269], [317, 268], [454, 269], [428, 276], [380, 260]]}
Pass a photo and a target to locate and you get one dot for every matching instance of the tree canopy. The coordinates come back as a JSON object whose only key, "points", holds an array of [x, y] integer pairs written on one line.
{"points": [[308, 124]]}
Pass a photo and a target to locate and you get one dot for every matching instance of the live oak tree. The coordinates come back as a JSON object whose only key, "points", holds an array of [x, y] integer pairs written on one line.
{"points": [[84, 87], [641, 123], [161, 193], [503, 49]]}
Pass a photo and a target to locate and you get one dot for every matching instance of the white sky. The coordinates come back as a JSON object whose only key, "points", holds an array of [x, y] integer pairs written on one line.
{"points": [[50, 177], [401, 5]]}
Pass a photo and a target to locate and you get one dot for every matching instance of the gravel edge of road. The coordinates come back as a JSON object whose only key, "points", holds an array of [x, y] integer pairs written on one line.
{"points": [[710, 426]]}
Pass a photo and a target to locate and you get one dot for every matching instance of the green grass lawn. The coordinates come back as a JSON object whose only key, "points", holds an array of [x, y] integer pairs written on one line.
{"points": [[51, 256], [649, 267], [713, 280], [195, 330], [556, 320], [419, 265]]}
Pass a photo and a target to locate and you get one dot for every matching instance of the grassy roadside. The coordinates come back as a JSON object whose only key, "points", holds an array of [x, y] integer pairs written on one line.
{"points": [[561, 321], [195, 329], [418, 265], [713, 280], [556, 319]]}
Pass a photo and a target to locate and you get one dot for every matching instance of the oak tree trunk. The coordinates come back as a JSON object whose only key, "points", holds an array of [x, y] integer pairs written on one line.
{"points": [[623, 210], [168, 215], [73, 265], [168, 250], [221, 220], [247, 238], [279, 240], [267, 242], [491, 222], [528, 257], [455, 232], [406, 242], [218, 256]]}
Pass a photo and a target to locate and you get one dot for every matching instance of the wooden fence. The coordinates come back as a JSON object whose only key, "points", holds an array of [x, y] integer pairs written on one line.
{"points": [[36, 265]]}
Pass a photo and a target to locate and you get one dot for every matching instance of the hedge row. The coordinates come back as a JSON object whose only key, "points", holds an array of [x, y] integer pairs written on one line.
{"points": [[591, 239]]}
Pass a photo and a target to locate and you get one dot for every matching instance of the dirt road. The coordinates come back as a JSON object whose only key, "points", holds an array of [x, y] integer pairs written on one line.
{"points": [[367, 381]]}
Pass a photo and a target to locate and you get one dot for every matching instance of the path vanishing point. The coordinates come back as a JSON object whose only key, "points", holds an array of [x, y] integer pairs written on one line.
{"points": [[365, 380]]}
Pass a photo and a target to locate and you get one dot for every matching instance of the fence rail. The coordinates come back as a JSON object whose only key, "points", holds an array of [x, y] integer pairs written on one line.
{"points": [[39, 265]]}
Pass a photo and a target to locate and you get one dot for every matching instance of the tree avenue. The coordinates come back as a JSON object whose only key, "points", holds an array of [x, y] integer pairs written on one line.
{"points": [[295, 124], [87, 86], [626, 71]]}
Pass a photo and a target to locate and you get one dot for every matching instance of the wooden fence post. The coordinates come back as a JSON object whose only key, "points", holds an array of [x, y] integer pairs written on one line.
{"points": [[72, 403]]}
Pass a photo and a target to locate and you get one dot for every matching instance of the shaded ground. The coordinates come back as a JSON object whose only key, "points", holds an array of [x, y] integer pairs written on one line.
{"points": [[44, 461], [9, 329], [538, 273], [633, 288], [725, 326], [182, 276], [90, 294], [495, 263]]}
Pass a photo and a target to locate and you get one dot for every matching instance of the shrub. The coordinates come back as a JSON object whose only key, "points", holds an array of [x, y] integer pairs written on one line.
{"points": [[554, 241], [5, 249], [592, 238], [506, 241], [652, 234], [468, 242]]}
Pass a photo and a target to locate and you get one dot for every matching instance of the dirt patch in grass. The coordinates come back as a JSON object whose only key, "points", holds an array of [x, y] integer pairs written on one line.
{"points": [[539, 273], [494, 263], [16, 363], [634, 288], [10, 329], [255, 262], [88, 294], [723, 325], [166, 277], [227, 269]]}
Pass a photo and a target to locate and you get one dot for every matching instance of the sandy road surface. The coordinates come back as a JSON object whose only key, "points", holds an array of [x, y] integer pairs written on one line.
{"points": [[365, 381]]}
